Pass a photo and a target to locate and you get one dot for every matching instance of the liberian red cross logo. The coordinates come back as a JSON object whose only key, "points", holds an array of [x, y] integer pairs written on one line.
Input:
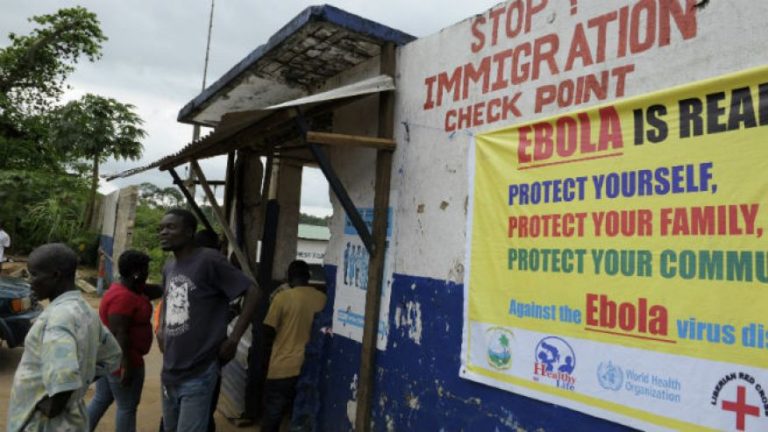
{"points": [[741, 408]]}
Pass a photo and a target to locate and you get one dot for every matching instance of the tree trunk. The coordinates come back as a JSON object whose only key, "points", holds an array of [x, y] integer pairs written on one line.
{"points": [[89, 207]]}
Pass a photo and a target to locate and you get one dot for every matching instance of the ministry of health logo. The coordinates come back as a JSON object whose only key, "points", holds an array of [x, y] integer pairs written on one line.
{"points": [[610, 376], [499, 352]]}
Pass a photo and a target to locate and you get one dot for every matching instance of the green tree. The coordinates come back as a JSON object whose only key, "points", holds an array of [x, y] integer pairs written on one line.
{"points": [[33, 69], [313, 220], [38, 207], [97, 128]]}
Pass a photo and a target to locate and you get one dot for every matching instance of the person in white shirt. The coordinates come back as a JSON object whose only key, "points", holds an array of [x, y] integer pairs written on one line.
{"points": [[5, 241]]}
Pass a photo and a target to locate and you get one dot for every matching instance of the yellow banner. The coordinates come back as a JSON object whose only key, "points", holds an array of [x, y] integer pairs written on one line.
{"points": [[639, 224]]}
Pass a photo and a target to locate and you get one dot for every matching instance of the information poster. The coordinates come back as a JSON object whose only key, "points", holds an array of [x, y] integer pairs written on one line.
{"points": [[618, 260], [352, 282]]}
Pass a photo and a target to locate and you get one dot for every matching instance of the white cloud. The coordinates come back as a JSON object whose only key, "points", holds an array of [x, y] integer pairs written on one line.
{"points": [[154, 58]]}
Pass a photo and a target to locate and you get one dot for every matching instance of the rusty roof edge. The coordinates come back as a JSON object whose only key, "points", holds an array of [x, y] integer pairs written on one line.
{"points": [[326, 13]]}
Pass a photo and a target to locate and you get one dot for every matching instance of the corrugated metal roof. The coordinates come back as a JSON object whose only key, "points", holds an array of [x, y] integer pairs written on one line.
{"points": [[314, 232], [318, 44], [233, 123]]}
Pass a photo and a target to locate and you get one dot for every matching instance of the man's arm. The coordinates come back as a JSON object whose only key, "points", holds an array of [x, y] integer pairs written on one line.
{"points": [[153, 291], [228, 349]]}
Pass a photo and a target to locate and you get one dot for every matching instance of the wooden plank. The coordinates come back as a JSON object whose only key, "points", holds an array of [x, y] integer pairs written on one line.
{"points": [[229, 186], [350, 140], [244, 262], [334, 182], [365, 391], [190, 199]]}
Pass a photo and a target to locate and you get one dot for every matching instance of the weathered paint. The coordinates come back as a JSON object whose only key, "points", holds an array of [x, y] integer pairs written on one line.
{"points": [[417, 385], [294, 60]]}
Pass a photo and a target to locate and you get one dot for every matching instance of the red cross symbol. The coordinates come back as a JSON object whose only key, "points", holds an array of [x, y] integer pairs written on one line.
{"points": [[741, 408]]}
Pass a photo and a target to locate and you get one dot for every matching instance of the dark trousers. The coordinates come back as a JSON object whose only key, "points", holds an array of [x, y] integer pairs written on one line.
{"points": [[278, 400]]}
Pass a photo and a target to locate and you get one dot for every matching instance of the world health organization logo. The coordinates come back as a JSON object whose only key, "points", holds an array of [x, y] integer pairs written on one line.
{"points": [[610, 376], [499, 353]]}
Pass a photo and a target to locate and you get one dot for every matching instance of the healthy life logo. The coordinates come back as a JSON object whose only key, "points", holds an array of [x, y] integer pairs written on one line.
{"points": [[499, 353], [555, 363]]}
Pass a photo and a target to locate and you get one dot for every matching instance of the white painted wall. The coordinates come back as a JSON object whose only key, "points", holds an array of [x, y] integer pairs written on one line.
{"points": [[311, 251], [430, 169]]}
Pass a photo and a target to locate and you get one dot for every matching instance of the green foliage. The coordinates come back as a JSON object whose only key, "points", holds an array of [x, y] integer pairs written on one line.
{"points": [[145, 235], [156, 197], [313, 220], [40, 207], [44, 190], [33, 69], [96, 128]]}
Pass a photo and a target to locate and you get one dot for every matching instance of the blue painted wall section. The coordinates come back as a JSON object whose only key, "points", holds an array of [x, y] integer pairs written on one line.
{"points": [[418, 386], [106, 243]]}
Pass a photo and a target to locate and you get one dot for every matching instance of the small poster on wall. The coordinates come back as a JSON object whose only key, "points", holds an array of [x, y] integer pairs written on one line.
{"points": [[352, 282]]}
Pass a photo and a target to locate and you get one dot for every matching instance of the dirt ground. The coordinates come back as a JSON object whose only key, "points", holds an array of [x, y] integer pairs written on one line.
{"points": [[148, 418]]}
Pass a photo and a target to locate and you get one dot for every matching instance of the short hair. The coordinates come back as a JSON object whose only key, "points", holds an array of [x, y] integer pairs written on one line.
{"points": [[131, 261], [188, 219], [207, 238], [56, 257], [298, 269]]}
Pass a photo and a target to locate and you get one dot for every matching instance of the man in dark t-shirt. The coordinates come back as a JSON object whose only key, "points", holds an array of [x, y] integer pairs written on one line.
{"points": [[199, 284]]}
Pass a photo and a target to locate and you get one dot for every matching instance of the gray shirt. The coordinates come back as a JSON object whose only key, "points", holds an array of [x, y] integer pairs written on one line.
{"points": [[198, 290]]}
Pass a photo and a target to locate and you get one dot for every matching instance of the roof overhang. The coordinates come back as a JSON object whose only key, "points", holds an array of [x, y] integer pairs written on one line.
{"points": [[316, 45], [233, 126]]}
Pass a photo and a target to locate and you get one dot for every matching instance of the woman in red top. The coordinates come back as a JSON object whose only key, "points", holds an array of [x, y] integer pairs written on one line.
{"points": [[126, 310]]}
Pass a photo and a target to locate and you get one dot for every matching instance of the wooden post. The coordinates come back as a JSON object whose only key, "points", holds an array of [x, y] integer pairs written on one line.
{"points": [[244, 262], [190, 199], [366, 386]]}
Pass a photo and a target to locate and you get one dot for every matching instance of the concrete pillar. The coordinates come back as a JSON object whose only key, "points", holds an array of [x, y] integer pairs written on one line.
{"points": [[253, 223], [124, 221], [288, 194]]}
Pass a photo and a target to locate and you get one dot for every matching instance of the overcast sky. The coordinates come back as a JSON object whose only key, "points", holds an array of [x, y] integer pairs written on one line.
{"points": [[155, 53]]}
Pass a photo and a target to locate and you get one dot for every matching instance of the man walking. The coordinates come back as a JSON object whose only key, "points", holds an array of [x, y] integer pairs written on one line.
{"points": [[66, 348], [288, 324], [199, 284]]}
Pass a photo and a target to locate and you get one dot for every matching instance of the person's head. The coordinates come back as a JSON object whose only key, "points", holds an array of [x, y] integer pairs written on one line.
{"points": [[298, 273], [134, 268], [208, 239], [177, 230], [52, 270]]}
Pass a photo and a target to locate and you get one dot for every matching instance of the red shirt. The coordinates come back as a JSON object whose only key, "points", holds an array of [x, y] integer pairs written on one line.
{"points": [[119, 300]]}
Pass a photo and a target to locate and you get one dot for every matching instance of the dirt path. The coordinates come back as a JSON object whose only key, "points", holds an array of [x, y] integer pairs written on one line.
{"points": [[148, 418]]}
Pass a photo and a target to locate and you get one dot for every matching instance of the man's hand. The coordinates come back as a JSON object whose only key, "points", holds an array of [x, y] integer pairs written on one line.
{"points": [[52, 406], [227, 350]]}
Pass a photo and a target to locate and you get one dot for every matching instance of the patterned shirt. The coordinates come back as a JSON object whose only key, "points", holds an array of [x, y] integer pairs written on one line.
{"points": [[66, 348]]}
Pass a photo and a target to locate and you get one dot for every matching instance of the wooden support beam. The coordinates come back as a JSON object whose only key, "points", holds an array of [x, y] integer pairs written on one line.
{"points": [[365, 390], [338, 188], [190, 199], [244, 262], [350, 140]]}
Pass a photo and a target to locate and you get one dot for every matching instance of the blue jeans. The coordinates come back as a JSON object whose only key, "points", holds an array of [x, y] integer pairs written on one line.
{"points": [[109, 389], [187, 405]]}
